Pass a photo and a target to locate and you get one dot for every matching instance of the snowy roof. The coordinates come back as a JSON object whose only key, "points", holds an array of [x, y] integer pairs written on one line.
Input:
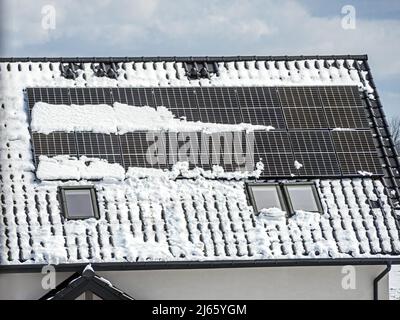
{"points": [[150, 215]]}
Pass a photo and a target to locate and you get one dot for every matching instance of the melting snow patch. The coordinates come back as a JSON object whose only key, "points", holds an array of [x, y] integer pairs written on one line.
{"points": [[343, 129], [306, 219], [298, 165], [181, 169], [121, 118], [274, 214], [71, 168], [365, 173]]}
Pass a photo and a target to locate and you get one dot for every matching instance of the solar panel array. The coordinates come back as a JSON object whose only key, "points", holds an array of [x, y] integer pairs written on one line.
{"points": [[303, 118]]}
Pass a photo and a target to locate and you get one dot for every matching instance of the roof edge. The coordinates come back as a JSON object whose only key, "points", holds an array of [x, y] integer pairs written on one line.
{"points": [[214, 264], [181, 58]]}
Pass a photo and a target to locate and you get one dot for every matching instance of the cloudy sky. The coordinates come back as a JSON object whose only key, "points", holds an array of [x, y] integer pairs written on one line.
{"points": [[209, 27]]}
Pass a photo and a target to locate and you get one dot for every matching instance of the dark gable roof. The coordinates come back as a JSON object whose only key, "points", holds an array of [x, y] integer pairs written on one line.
{"points": [[187, 220], [82, 282]]}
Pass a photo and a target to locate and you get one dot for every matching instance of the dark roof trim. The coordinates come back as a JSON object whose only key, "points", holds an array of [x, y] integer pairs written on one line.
{"points": [[77, 284], [379, 278], [180, 59], [215, 264], [386, 126]]}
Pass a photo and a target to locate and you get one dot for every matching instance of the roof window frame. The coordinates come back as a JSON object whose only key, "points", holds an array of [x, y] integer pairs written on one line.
{"points": [[278, 188], [288, 199], [93, 198]]}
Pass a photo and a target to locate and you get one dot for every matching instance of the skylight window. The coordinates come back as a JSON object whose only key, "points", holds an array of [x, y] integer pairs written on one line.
{"points": [[79, 202], [302, 197], [264, 196], [289, 197]]}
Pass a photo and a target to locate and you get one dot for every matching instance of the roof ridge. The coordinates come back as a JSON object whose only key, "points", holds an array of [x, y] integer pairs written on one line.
{"points": [[182, 58]]}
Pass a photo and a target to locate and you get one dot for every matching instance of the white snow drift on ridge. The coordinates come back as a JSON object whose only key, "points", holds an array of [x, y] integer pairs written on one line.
{"points": [[120, 118]]}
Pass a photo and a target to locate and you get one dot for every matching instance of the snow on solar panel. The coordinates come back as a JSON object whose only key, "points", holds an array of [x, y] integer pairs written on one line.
{"points": [[302, 117]]}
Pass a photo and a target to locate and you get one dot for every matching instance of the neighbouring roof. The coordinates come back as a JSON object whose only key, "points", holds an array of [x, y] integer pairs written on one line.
{"points": [[86, 282], [150, 215]]}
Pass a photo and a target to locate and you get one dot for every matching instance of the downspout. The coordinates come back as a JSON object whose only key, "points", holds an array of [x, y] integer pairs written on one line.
{"points": [[379, 278]]}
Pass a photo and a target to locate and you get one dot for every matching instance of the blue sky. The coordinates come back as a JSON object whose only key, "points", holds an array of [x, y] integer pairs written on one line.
{"points": [[224, 27]]}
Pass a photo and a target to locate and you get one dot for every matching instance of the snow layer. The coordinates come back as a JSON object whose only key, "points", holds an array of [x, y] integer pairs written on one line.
{"points": [[365, 173], [274, 214], [47, 118], [181, 169], [71, 168], [160, 218], [120, 118], [297, 165]]}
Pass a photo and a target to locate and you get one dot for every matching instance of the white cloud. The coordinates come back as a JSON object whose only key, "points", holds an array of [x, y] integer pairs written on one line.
{"points": [[283, 27], [181, 27]]}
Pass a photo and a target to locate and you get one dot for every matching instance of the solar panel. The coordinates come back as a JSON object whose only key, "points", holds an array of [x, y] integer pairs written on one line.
{"points": [[311, 141], [226, 149], [317, 164], [258, 97], [99, 145], [353, 141], [260, 106], [218, 105], [180, 101], [293, 97], [143, 149], [323, 107], [137, 97], [302, 108], [354, 163], [264, 117], [162, 150], [90, 96], [48, 95], [348, 117], [340, 96], [56, 143], [305, 118], [187, 146], [273, 148], [301, 116], [315, 151], [356, 152], [53, 144]]}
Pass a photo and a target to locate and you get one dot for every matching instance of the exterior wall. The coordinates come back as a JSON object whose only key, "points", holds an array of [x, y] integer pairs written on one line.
{"points": [[244, 283], [24, 285]]}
